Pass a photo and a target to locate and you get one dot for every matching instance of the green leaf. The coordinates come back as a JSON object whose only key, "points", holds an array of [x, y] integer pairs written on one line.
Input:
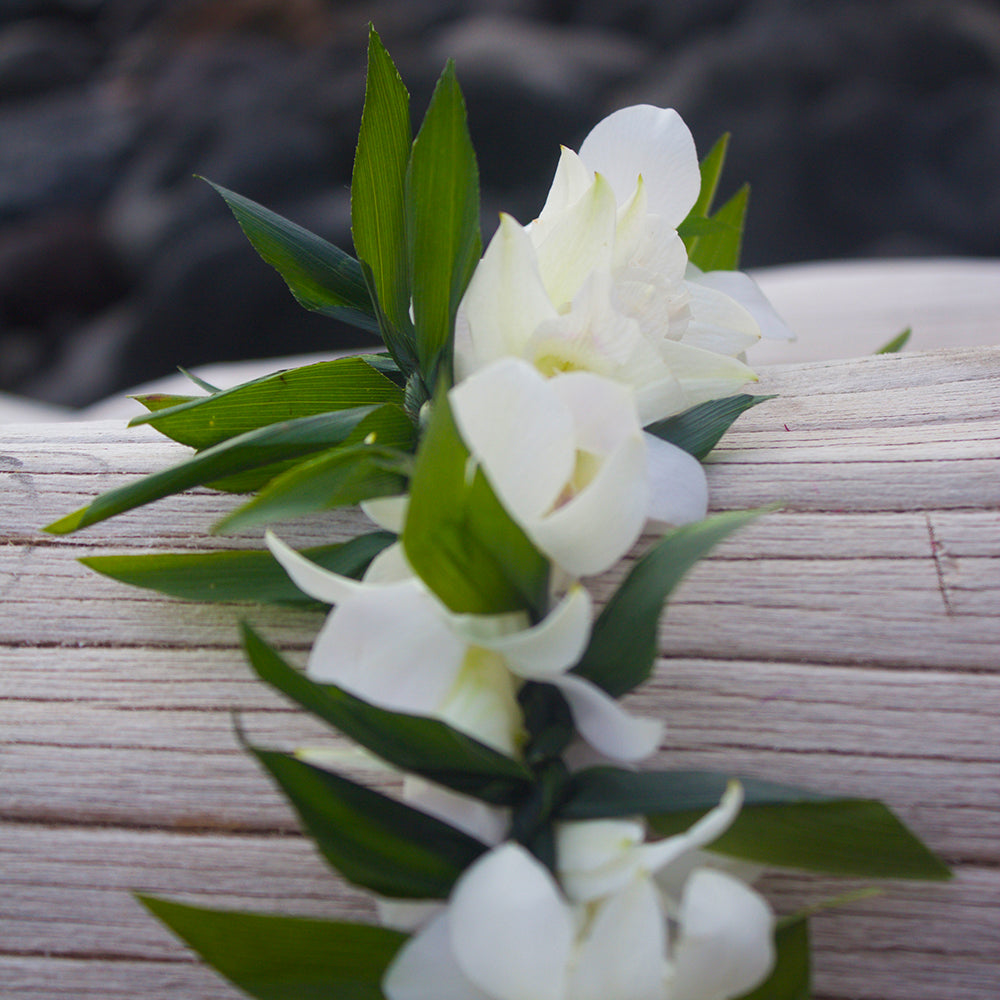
{"points": [[442, 222], [198, 380], [253, 450], [699, 429], [340, 384], [155, 401], [372, 840], [377, 199], [459, 539], [720, 251], [897, 343], [790, 979], [698, 223], [778, 825], [412, 743], [321, 276], [623, 643], [236, 576], [277, 957]]}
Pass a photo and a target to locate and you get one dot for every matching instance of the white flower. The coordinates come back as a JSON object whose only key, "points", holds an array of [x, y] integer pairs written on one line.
{"points": [[510, 932], [599, 282], [568, 460], [392, 643]]}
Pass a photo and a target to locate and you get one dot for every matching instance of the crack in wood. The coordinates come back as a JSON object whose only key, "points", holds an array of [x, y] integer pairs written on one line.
{"points": [[937, 548]]}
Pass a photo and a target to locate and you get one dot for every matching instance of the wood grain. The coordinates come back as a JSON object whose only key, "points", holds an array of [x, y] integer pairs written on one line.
{"points": [[848, 641]]}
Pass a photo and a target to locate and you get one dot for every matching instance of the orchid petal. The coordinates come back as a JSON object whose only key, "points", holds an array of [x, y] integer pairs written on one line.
{"points": [[704, 374], [718, 322], [511, 931], [425, 968], [655, 143], [323, 584], [604, 724], [725, 947], [570, 183], [389, 513], [389, 566], [597, 857], [623, 955], [677, 485], [740, 286], [484, 822], [520, 432]]}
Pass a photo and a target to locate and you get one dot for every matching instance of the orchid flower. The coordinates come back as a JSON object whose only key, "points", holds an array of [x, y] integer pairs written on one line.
{"points": [[600, 282], [568, 460], [605, 929], [391, 642]]}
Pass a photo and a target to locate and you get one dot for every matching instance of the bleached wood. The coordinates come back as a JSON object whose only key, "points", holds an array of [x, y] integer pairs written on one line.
{"points": [[848, 641]]}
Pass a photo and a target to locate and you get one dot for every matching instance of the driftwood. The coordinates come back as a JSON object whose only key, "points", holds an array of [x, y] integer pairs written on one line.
{"points": [[849, 642]]}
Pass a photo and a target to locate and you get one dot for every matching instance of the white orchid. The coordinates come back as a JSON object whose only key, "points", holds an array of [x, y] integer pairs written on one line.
{"points": [[568, 460], [391, 642], [605, 929], [600, 281]]}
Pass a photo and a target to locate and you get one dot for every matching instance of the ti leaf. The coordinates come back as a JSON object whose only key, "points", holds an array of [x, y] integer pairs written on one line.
{"points": [[374, 841], [790, 979], [897, 343], [236, 576], [623, 646], [698, 222], [277, 957], [253, 450], [699, 429], [286, 395], [322, 277], [720, 250], [778, 825], [413, 743], [459, 539], [377, 200], [442, 224]]}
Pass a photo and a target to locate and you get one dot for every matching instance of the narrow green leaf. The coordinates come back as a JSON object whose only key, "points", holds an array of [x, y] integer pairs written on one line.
{"points": [[623, 644], [372, 840], [253, 450], [377, 200], [897, 343], [458, 537], [236, 576], [412, 743], [198, 381], [711, 171], [778, 825], [322, 277], [154, 401], [699, 429], [720, 251], [790, 979], [277, 957], [341, 384], [442, 222]]}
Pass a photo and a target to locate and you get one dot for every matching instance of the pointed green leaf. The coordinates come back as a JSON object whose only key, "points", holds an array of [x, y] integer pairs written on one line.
{"points": [[277, 957], [897, 343], [236, 576], [458, 537], [720, 251], [699, 429], [340, 384], [154, 401], [790, 979], [779, 824], [711, 171], [253, 450], [198, 381], [377, 201], [442, 220], [623, 644], [373, 841], [321, 276], [412, 743]]}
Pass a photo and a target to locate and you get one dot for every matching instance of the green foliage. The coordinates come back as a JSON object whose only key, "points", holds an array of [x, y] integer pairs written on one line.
{"points": [[623, 646], [322, 277], [699, 429], [236, 576], [458, 537], [415, 744], [203, 421], [285, 958], [897, 343], [790, 979], [377, 199], [442, 224], [373, 841]]}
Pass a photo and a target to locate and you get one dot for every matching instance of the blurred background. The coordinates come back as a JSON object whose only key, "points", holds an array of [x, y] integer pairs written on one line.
{"points": [[866, 129]]}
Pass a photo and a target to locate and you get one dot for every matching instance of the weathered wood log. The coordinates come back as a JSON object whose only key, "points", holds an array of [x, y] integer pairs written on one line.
{"points": [[849, 642]]}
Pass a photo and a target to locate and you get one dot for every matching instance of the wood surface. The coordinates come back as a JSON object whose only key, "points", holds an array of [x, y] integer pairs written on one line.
{"points": [[848, 642]]}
